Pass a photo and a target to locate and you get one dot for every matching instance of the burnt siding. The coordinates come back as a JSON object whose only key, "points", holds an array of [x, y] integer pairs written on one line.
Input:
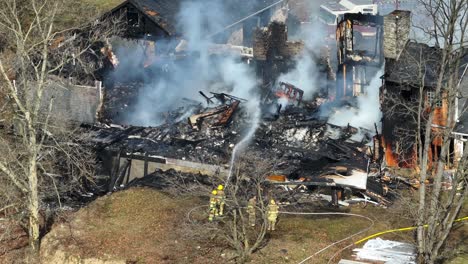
{"points": [[394, 124]]}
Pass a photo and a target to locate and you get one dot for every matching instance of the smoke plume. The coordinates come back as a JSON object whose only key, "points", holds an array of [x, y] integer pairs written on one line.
{"points": [[173, 79], [367, 111], [305, 74]]}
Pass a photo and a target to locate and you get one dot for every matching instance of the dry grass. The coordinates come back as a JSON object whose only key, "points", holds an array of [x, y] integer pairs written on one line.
{"points": [[457, 241], [78, 13], [103, 5], [142, 225], [138, 225], [298, 237]]}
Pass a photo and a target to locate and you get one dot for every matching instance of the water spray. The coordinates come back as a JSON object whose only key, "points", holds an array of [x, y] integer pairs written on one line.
{"points": [[246, 139]]}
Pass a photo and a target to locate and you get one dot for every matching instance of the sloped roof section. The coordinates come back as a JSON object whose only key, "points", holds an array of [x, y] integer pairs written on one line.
{"points": [[165, 12], [415, 61], [161, 12]]}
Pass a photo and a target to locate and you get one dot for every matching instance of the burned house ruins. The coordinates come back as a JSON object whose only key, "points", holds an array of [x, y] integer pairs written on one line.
{"points": [[146, 127], [187, 90]]}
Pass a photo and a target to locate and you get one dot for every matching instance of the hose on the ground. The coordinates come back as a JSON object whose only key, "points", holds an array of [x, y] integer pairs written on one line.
{"points": [[344, 239], [189, 213], [337, 242], [400, 230], [386, 232]]}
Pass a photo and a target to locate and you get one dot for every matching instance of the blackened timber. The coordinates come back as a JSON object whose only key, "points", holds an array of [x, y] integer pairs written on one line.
{"points": [[128, 172], [312, 153], [146, 157], [145, 169], [114, 172], [227, 115], [312, 124]]}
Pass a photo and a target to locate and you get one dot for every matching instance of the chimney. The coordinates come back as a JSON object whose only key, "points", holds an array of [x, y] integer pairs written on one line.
{"points": [[397, 27]]}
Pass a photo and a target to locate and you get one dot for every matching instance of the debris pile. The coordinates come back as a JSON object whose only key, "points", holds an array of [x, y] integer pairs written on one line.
{"points": [[303, 148]]}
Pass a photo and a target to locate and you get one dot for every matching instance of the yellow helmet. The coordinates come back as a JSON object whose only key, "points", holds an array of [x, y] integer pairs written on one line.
{"points": [[220, 187], [214, 192], [272, 201]]}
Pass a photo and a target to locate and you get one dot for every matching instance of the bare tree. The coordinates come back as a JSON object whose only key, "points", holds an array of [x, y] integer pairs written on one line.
{"points": [[236, 228], [437, 71], [43, 151], [233, 230], [449, 29]]}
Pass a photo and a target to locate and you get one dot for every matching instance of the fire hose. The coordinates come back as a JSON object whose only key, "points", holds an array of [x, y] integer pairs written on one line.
{"points": [[339, 241], [306, 213], [386, 232], [401, 229], [346, 238]]}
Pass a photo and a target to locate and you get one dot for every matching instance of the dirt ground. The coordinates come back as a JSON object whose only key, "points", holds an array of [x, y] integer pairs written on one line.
{"points": [[139, 225], [143, 225]]}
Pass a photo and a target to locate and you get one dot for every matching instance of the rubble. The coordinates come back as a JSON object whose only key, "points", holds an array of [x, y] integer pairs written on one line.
{"points": [[306, 150], [198, 135], [290, 93]]}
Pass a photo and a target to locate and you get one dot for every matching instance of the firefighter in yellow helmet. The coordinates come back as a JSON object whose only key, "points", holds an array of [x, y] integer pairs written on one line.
{"points": [[272, 214], [213, 205], [221, 199]]}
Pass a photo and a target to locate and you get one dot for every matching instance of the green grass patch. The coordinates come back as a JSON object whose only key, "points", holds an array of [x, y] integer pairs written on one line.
{"points": [[77, 13], [102, 5]]}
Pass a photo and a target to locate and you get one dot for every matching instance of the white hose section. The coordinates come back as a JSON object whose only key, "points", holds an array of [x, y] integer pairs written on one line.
{"points": [[189, 213], [306, 213], [339, 241]]}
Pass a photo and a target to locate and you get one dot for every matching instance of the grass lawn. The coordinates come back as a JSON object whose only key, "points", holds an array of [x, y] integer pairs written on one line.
{"points": [[103, 5], [77, 13]]}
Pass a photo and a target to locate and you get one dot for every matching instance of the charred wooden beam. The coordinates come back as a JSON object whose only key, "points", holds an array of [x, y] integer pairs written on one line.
{"points": [[227, 114]]}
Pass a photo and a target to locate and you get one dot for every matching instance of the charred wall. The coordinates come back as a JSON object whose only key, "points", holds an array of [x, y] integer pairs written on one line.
{"points": [[398, 125], [273, 53]]}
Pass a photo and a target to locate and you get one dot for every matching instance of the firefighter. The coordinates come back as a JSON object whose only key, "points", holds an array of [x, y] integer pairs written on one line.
{"points": [[213, 205], [251, 210], [221, 199], [272, 214]]}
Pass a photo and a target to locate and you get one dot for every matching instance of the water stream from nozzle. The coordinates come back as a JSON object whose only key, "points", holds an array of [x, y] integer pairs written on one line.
{"points": [[245, 140]]}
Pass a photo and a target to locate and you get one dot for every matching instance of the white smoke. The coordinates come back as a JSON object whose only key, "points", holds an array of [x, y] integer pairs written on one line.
{"points": [[164, 89], [201, 71], [367, 111], [305, 74]]}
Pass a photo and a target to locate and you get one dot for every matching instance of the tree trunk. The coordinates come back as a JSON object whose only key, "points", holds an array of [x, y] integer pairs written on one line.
{"points": [[422, 187], [33, 197], [33, 207]]}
